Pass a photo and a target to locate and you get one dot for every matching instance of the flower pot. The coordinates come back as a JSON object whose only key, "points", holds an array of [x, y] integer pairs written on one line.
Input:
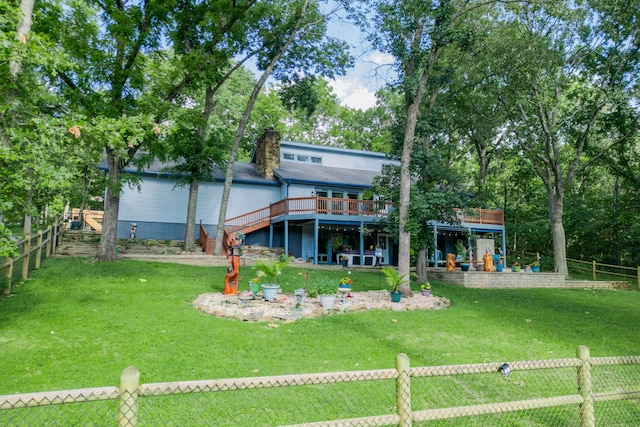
{"points": [[480, 266], [255, 288], [498, 268], [327, 301], [269, 292], [395, 296], [535, 268], [515, 268], [465, 266], [426, 292], [345, 262]]}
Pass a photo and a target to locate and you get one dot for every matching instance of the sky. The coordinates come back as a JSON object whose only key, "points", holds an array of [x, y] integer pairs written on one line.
{"points": [[371, 71]]}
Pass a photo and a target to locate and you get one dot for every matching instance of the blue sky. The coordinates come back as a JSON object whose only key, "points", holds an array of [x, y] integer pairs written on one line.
{"points": [[371, 71]]}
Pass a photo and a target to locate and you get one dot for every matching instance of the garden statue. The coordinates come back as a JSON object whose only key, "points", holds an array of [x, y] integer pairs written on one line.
{"points": [[231, 278], [488, 261], [451, 262]]}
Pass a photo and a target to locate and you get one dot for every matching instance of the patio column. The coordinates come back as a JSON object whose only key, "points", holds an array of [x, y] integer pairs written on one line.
{"points": [[435, 245], [316, 238], [286, 238]]}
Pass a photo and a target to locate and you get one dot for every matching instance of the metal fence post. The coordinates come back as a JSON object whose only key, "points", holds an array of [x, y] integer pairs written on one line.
{"points": [[587, 418], [403, 390], [128, 406]]}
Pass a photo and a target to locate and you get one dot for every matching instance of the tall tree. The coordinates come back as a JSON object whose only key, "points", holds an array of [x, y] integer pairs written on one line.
{"points": [[416, 33], [295, 40], [567, 73], [107, 44]]}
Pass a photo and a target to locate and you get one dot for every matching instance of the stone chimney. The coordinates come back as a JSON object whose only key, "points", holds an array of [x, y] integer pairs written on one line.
{"points": [[268, 152]]}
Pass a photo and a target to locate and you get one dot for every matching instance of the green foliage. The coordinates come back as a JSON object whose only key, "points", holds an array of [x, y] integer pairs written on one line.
{"points": [[325, 285], [8, 247], [270, 270], [393, 278], [109, 319]]}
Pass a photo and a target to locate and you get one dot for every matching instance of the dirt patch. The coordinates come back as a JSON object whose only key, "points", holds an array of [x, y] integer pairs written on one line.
{"points": [[246, 308]]}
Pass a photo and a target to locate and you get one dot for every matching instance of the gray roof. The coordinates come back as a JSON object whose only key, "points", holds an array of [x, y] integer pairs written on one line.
{"points": [[314, 174], [242, 171], [303, 173]]}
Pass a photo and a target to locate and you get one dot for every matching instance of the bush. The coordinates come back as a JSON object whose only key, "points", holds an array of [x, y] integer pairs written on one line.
{"points": [[326, 285]]}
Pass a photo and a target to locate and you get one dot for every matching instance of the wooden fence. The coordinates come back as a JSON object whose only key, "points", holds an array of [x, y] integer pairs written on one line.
{"points": [[581, 391], [606, 269], [32, 250], [594, 267]]}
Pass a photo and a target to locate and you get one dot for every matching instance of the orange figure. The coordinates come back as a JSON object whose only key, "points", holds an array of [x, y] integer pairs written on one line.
{"points": [[231, 278], [451, 262], [488, 262]]}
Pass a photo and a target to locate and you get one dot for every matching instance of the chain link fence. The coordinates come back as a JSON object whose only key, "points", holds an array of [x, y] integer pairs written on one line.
{"points": [[579, 391]]}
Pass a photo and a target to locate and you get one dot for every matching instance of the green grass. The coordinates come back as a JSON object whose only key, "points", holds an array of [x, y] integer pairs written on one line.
{"points": [[79, 323]]}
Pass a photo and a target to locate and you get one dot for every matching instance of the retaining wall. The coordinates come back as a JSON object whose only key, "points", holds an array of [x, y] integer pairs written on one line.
{"points": [[510, 280]]}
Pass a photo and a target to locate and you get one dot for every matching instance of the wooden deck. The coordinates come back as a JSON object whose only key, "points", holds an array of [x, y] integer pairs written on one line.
{"points": [[341, 208]]}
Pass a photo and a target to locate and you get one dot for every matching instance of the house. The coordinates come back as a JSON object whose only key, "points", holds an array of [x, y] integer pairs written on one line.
{"points": [[314, 201]]}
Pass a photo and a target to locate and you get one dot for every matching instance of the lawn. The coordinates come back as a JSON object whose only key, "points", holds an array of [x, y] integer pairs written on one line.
{"points": [[79, 323]]}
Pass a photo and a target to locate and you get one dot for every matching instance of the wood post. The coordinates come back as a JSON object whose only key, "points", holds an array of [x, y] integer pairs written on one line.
{"points": [[128, 406], [47, 251], [587, 418], [26, 250], [8, 276], [593, 269], [403, 390], [38, 251]]}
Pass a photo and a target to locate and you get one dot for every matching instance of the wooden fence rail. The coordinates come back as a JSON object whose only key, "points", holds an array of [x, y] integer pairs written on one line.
{"points": [[592, 266], [47, 240], [615, 393]]}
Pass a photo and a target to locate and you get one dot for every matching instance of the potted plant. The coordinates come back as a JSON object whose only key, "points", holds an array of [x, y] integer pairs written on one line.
{"points": [[269, 271], [254, 285], [326, 289], [426, 289], [345, 282], [515, 267], [345, 261], [394, 279], [461, 251], [535, 267]]}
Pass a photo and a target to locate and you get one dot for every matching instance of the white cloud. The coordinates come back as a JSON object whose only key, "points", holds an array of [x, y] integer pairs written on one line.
{"points": [[352, 93], [380, 58]]}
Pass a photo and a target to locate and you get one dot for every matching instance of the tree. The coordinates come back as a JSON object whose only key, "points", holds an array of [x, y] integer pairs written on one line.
{"points": [[294, 40], [416, 34], [567, 78], [104, 83]]}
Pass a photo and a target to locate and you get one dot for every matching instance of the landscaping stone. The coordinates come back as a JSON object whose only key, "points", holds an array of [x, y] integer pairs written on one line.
{"points": [[282, 308]]}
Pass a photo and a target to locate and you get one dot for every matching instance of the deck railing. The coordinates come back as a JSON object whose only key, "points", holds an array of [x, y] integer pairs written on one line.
{"points": [[339, 206], [482, 216]]}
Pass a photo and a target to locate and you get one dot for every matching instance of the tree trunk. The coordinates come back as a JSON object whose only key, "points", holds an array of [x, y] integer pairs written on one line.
{"points": [[107, 250], [228, 179], [24, 26], [558, 234], [189, 231], [404, 236], [421, 266]]}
